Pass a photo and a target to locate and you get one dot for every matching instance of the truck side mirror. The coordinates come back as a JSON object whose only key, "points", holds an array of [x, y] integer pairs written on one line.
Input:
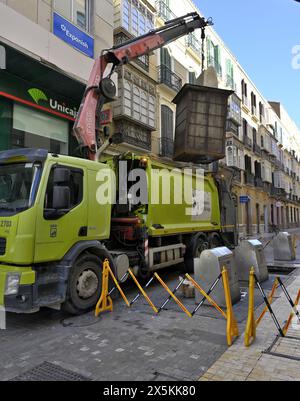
{"points": [[61, 198]]}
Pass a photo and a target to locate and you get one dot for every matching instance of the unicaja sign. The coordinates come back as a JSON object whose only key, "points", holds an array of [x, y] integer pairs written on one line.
{"points": [[39, 96]]}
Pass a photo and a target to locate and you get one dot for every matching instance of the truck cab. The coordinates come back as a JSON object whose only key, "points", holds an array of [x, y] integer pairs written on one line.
{"points": [[47, 224]]}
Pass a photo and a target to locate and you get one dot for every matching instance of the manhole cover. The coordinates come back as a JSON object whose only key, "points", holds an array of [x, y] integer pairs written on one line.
{"points": [[49, 372]]}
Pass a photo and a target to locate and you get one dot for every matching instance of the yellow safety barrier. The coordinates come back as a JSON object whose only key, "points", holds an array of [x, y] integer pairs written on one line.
{"points": [[143, 292], [232, 330], [270, 299], [210, 300], [290, 319], [105, 303], [173, 296], [250, 333], [252, 324], [232, 327]]}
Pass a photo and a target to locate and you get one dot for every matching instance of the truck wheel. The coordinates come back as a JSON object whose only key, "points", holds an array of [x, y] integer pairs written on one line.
{"points": [[214, 241], [196, 247], [85, 285]]}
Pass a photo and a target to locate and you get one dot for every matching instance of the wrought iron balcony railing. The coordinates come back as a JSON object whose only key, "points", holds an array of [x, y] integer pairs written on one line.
{"points": [[247, 141], [164, 11], [169, 78], [249, 178]]}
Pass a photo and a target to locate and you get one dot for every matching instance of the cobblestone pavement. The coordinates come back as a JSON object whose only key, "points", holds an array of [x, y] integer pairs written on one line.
{"points": [[133, 344], [239, 363]]}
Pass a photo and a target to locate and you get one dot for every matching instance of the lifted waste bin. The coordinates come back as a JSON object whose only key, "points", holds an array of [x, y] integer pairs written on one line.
{"points": [[284, 249], [207, 269], [250, 253], [200, 124]]}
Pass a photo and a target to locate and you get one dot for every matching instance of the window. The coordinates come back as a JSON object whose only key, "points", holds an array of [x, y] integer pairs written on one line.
{"points": [[229, 75], [136, 19], [35, 129], [75, 184], [167, 131], [77, 11], [18, 187], [126, 15], [138, 103], [192, 78]]}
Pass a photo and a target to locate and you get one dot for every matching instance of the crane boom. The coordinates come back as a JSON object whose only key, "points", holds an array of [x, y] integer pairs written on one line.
{"points": [[101, 90]]}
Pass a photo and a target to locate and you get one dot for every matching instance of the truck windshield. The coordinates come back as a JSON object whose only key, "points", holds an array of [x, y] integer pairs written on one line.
{"points": [[18, 187]]}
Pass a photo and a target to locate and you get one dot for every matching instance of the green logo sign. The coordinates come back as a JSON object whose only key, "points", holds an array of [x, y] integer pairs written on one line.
{"points": [[37, 95]]}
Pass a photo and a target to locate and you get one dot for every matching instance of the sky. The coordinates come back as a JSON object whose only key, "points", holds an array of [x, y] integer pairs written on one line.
{"points": [[262, 35]]}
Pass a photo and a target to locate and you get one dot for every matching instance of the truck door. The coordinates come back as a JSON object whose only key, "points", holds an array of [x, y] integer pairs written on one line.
{"points": [[57, 230]]}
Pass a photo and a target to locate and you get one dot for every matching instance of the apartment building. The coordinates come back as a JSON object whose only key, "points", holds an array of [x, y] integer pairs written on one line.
{"points": [[47, 51], [263, 148]]}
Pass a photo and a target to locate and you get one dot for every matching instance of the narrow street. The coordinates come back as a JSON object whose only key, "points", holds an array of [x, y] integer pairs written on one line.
{"points": [[133, 344]]}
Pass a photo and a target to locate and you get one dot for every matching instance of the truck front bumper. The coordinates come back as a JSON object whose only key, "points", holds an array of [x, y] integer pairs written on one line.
{"points": [[16, 288]]}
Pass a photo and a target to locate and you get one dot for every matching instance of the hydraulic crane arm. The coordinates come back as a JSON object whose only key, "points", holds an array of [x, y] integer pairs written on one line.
{"points": [[101, 90]]}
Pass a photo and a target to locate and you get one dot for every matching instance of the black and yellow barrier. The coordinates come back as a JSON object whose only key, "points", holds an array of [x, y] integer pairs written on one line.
{"points": [[252, 323], [105, 303]]}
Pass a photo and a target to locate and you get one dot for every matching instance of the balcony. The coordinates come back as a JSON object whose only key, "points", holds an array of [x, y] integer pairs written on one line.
{"points": [[139, 140], [262, 120], [247, 142], [267, 187], [193, 43], [249, 179], [164, 11], [169, 78], [257, 150], [246, 102], [280, 192], [258, 182], [230, 82], [212, 62], [232, 128], [254, 111]]}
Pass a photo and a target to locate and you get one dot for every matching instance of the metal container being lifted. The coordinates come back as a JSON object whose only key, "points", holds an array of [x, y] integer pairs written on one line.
{"points": [[200, 124]]}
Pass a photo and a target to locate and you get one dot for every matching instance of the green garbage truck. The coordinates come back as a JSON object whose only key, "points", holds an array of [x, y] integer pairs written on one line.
{"points": [[55, 232]]}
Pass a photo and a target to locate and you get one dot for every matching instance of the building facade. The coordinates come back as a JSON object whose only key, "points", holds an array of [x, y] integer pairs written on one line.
{"points": [[47, 49], [49, 55], [262, 149]]}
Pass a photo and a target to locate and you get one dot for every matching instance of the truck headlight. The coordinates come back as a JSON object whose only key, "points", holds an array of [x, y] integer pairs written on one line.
{"points": [[12, 284]]}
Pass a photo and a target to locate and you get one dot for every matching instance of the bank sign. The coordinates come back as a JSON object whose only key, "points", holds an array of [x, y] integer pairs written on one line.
{"points": [[72, 35], [30, 95]]}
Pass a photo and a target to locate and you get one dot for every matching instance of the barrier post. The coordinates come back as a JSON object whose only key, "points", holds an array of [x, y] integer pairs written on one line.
{"points": [[290, 319], [232, 327], [250, 333], [275, 286], [105, 303]]}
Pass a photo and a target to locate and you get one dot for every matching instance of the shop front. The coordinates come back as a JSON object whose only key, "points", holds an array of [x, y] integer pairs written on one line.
{"points": [[32, 113]]}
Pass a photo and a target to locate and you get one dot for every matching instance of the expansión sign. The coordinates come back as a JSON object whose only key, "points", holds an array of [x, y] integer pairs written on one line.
{"points": [[72, 35]]}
